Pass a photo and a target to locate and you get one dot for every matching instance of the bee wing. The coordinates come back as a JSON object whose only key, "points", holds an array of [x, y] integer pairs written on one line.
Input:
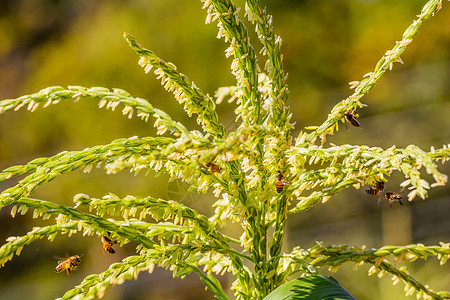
{"points": [[379, 198], [60, 259], [110, 239], [358, 126]]}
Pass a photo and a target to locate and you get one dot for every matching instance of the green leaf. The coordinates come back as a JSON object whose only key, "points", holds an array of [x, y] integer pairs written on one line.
{"points": [[214, 287], [311, 288]]}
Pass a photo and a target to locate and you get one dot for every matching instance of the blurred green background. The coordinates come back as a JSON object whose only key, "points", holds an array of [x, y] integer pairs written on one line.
{"points": [[326, 44]]}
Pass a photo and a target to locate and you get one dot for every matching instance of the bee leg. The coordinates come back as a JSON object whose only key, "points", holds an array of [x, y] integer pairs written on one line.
{"points": [[400, 201]]}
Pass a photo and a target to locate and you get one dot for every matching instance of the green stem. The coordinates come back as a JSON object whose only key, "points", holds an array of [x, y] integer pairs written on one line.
{"points": [[212, 284]]}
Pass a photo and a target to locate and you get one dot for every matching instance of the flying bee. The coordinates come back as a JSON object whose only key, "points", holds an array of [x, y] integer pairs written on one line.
{"points": [[372, 191], [379, 185], [377, 189], [280, 182], [213, 167], [68, 264], [391, 197], [107, 244], [350, 117]]}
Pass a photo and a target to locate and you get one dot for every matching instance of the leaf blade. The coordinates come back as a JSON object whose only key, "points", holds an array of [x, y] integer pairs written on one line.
{"points": [[315, 287]]}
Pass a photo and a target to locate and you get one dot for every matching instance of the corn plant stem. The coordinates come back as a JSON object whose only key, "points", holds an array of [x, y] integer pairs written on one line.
{"points": [[263, 230], [277, 241], [256, 219], [384, 64], [250, 114], [259, 252], [260, 229], [252, 218], [279, 111], [252, 215]]}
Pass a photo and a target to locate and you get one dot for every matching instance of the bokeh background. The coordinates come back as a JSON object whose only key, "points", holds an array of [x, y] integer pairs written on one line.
{"points": [[326, 44]]}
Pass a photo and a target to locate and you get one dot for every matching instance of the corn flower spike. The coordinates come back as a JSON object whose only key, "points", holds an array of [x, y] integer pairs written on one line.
{"points": [[94, 286], [46, 169], [245, 65], [279, 92], [186, 92], [17, 242], [107, 98], [357, 165], [336, 255], [253, 176], [368, 82], [66, 213], [159, 209]]}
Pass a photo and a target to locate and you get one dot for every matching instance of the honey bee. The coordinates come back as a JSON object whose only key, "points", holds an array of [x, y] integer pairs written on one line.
{"points": [[350, 117], [372, 191], [391, 197], [68, 264], [378, 188], [280, 182], [213, 167], [107, 244]]}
